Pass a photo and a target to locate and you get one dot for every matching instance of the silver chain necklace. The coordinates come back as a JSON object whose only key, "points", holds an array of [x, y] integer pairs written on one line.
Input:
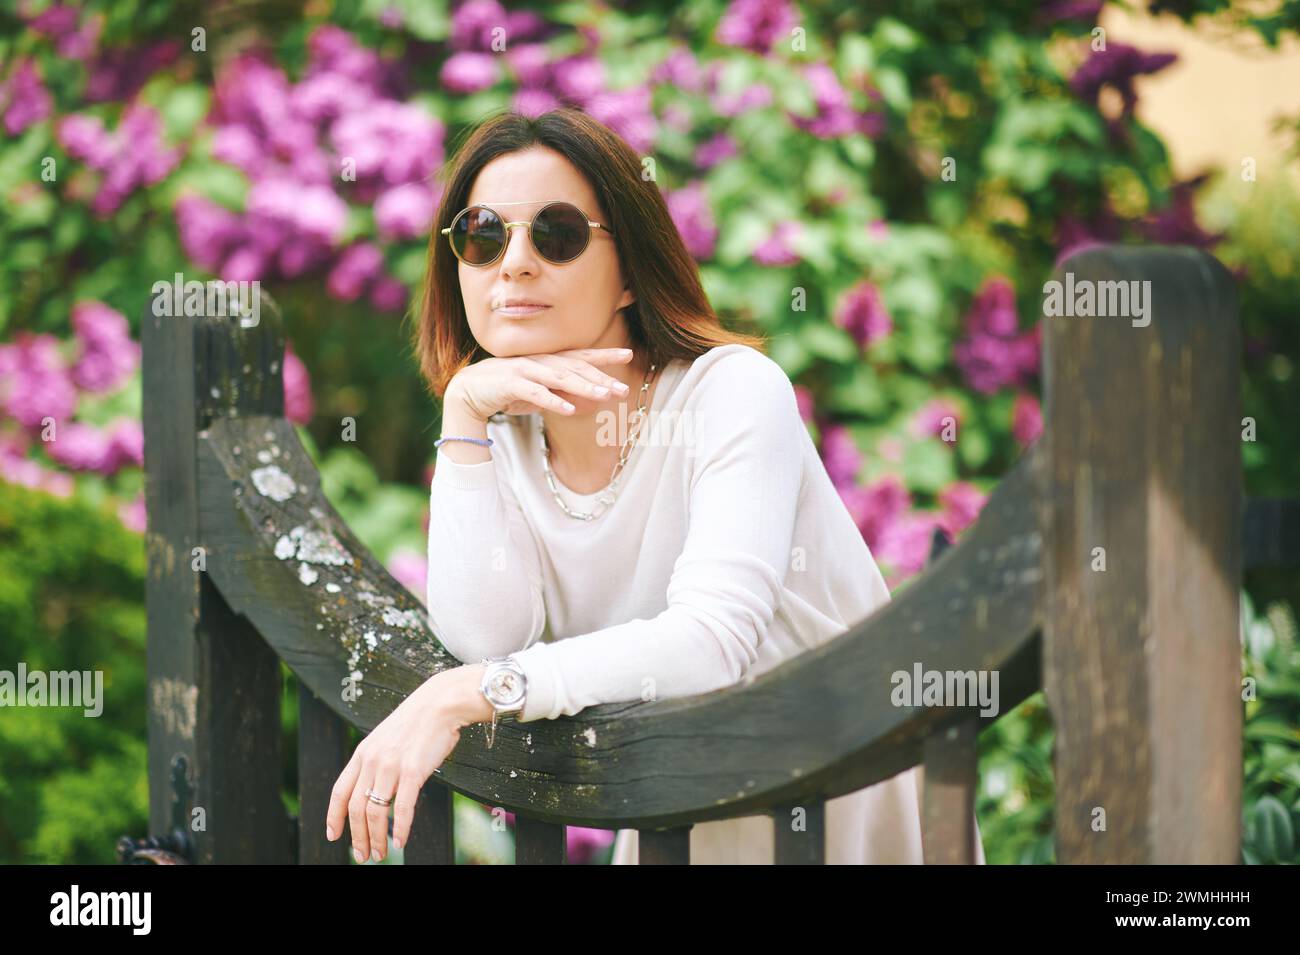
{"points": [[610, 492]]}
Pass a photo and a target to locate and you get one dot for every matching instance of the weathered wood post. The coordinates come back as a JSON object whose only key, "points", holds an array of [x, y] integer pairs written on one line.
{"points": [[214, 684], [1138, 492]]}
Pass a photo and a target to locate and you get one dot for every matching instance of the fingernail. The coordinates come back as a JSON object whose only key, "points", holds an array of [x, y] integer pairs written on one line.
{"points": [[568, 407], [397, 842], [360, 856], [374, 855], [329, 833]]}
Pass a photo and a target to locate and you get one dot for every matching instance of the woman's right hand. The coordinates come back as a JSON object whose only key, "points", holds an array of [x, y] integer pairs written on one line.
{"points": [[525, 384]]}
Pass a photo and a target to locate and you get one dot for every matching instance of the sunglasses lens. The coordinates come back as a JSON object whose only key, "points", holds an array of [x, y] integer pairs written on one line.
{"points": [[560, 232], [478, 236]]}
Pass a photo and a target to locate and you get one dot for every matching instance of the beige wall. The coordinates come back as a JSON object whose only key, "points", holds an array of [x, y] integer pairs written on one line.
{"points": [[1217, 103]]}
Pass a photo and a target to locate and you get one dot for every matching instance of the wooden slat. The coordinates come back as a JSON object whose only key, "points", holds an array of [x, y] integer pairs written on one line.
{"points": [[539, 843], [664, 846], [214, 685], [948, 812], [1142, 659], [322, 755], [799, 833], [433, 830]]}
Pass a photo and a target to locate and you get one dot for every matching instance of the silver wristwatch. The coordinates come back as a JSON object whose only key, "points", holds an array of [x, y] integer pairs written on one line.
{"points": [[506, 688]]}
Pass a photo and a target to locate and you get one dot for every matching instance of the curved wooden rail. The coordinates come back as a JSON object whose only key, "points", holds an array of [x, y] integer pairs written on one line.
{"points": [[282, 557]]}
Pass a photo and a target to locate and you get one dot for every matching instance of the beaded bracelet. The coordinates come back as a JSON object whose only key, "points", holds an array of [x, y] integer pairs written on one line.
{"points": [[486, 442]]}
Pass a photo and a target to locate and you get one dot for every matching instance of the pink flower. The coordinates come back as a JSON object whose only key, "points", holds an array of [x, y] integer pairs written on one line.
{"points": [[731, 105], [468, 72], [131, 157], [298, 404], [528, 63], [835, 115], [583, 843], [680, 70], [472, 23], [59, 23], [629, 113], [78, 446], [993, 355], [1026, 419], [876, 507], [315, 211], [34, 383], [404, 212], [28, 100], [125, 445], [108, 355], [134, 515], [689, 208], [388, 294], [411, 570], [357, 267], [961, 502], [840, 455], [778, 248], [715, 150], [905, 544], [396, 142], [578, 78], [16, 468], [930, 420], [533, 103], [862, 312], [756, 24]]}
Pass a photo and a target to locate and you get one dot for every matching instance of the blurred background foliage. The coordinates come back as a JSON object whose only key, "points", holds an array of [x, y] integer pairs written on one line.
{"points": [[881, 191]]}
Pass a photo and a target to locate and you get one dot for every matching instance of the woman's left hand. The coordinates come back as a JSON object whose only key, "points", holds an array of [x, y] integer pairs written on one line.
{"points": [[399, 755]]}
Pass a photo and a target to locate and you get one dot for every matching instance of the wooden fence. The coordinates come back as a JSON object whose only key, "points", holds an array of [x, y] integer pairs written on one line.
{"points": [[1139, 464]]}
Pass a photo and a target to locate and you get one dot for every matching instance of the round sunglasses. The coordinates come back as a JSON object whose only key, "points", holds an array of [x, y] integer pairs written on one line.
{"points": [[559, 231]]}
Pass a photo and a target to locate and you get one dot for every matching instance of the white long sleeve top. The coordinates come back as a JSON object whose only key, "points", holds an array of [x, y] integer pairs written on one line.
{"points": [[727, 550]]}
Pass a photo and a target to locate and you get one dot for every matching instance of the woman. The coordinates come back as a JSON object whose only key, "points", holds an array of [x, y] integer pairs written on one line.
{"points": [[617, 468]]}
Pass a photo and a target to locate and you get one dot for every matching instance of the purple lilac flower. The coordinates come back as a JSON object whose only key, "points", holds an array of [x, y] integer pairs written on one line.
{"points": [[410, 569], [929, 421], [355, 269], [468, 72], [752, 97], [298, 404], [1176, 223], [680, 70], [840, 455], [404, 212], [134, 515], [689, 208], [522, 25], [335, 50], [715, 150], [395, 141], [905, 544], [108, 355], [59, 23], [472, 24], [78, 446], [876, 507], [125, 445], [961, 502], [1026, 420], [778, 248], [756, 24], [629, 113], [835, 115], [1116, 66], [128, 158], [533, 102], [993, 354], [119, 74], [529, 63], [578, 78], [35, 383], [862, 312], [28, 100], [1075, 235], [314, 211], [17, 468], [583, 843], [388, 294]]}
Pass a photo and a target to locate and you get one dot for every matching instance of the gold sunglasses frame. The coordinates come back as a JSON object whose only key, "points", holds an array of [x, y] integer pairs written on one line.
{"points": [[528, 224]]}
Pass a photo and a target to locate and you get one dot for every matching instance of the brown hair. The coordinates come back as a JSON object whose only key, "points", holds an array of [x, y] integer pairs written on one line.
{"points": [[671, 317]]}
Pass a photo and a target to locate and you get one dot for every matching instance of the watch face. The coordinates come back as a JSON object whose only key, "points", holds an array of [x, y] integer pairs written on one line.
{"points": [[506, 687]]}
